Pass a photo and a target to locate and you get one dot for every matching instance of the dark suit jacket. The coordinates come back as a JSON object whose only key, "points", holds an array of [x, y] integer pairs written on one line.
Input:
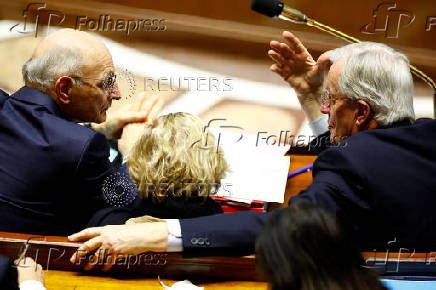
{"points": [[51, 169], [173, 207], [170, 208], [8, 274], [381, 184]]}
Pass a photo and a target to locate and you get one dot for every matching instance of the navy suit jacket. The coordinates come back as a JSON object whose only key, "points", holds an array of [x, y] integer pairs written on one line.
{"points": [[51, 169], [8, 274], [380, 183]]}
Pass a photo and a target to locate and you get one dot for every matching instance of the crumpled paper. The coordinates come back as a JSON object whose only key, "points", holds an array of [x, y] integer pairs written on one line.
{"points": [[181, 285]]}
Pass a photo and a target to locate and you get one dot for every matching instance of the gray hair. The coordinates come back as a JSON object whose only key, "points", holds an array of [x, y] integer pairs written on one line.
{"points": [[379, 75], [43, 71]]}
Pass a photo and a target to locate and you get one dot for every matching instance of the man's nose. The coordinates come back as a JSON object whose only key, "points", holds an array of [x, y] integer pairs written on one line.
{"points": [[115, 93]]}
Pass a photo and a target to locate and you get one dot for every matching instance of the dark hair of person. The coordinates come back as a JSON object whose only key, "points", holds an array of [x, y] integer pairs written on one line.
{"points": [[304, 247]]}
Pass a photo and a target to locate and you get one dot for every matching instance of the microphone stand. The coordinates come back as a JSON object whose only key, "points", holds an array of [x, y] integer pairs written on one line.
{"points": [[295, 16]]}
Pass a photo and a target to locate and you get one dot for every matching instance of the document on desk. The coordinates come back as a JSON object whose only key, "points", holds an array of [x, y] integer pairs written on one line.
{"points": [[256, 172]]}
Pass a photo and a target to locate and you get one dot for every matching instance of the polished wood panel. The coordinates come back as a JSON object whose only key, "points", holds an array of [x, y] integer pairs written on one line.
{"points": [[54, 252], [197, 24]]}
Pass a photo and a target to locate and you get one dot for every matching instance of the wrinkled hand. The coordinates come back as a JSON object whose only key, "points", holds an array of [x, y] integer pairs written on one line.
{"points": [[143, 110], [131, 134], [28, 269], [133, 131], [296, 66], [112, 242]]}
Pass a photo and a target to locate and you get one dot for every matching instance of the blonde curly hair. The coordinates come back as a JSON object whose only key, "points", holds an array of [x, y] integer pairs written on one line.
{"points": [[178, 155]]}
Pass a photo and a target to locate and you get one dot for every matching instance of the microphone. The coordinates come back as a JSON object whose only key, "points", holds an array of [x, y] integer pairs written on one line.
{"points": [[275, 8]]}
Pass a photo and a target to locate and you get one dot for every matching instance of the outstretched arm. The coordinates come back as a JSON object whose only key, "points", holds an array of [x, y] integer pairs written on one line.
{"points": [[231, 233], [228, 233]]}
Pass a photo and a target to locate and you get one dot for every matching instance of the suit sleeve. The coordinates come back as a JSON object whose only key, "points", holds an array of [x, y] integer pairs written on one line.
{"points": [[100, 181], [93, 168], [338, 186], [223, 233], [94, 165]]}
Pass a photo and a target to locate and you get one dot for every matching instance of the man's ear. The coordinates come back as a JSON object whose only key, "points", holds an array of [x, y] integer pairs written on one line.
{"points": [[363, 115], [63, 86]]}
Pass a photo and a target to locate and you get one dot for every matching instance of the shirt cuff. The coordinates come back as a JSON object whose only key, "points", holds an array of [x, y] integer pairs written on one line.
{"points": [[319, 126], [31, 285], [175, 242], [112, 154]]}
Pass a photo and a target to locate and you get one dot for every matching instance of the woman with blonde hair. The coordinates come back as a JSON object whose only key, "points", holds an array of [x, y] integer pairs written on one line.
{"points": [[175, 164]]}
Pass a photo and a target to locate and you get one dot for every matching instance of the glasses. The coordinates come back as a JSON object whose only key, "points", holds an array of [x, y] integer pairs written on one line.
{"points": [[107, 84], [326, 99]]}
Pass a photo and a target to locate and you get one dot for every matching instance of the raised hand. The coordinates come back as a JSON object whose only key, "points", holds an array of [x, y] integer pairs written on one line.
{"points": [[133, 131], [143, 110], [298, 68]]}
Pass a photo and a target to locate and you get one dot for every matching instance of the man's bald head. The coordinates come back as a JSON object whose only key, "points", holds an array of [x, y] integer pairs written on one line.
{"points": [[76, 70], [90, 47]]}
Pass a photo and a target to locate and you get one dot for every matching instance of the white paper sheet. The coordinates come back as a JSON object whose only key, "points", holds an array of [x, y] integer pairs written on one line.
{"points": [[256, 172]]}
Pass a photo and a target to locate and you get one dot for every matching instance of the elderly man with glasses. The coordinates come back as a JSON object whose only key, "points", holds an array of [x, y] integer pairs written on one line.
{"points": [[53, 170], [380, 182]]}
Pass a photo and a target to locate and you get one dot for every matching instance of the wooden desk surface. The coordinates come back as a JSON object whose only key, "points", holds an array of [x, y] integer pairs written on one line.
{"points": [[70, 280], [297, 183], [64, 280]]}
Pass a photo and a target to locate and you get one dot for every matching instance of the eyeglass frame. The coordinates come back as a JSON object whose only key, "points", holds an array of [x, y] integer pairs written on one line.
{"points": [[326, 97], [111, 88]]}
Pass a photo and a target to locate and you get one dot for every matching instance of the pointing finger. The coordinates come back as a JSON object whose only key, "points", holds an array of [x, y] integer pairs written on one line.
{"points": [[85, 234], [85, 248]]}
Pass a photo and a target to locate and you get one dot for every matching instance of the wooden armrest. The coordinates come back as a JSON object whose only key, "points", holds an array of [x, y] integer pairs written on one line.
{"points": [[54, 252]]}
